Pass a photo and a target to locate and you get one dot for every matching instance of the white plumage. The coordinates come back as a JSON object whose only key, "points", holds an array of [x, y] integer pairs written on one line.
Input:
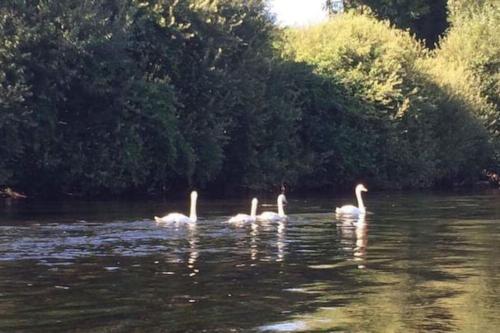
{"points": [[351, 210], [181, 218], [273, 216], [245, 218]]}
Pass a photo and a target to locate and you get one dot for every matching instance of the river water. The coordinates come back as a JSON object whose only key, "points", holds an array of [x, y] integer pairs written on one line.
{"points": [[424, 262]]}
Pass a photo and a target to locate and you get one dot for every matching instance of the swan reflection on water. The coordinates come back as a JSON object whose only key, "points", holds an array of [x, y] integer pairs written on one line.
{"points": [[189, 253], [280, 242], [194, 253], [258, 234], [254, 234], [353, 232]]}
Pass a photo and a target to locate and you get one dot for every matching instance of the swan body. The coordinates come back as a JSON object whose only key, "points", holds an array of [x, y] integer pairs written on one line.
{"points": [[181, 218], [350, 210], [174, 218], [245, 218], [273, 216]]}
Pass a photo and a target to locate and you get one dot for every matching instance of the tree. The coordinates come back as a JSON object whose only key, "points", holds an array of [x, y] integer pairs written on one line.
{"points": [[390, 101], [425, 18], [467, 61]]}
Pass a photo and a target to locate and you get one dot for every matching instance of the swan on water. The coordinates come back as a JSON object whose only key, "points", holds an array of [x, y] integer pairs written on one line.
{"points": [[272, 216], [353, 210], [181, 218], [245, 218]]}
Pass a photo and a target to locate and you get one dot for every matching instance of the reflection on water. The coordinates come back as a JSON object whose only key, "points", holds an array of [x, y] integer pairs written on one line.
{"points": [[281, 241], [254, 234], [431, 265], [193, 250], [353, 232]]}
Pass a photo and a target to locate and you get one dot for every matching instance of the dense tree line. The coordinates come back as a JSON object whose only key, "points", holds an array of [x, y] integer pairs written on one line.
{"points": [[145, 96]]}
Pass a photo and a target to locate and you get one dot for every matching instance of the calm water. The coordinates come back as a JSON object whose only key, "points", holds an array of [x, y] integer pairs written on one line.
{"points": [[416, 263]]}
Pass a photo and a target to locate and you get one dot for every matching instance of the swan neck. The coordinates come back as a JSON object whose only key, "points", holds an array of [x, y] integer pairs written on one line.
{"points": [[192, 210], [253, 210], [361, 205], [281, 211]]}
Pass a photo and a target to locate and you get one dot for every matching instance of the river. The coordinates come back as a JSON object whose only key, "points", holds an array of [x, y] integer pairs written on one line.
{"points": [[418, 262]]}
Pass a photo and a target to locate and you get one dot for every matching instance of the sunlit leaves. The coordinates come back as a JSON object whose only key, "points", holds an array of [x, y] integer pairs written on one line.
{"points": [[414, 118]]}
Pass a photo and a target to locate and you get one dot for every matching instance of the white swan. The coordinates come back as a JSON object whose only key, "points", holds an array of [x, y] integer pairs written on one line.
{"points": [[181, 218], [353, 210], [245, 218], [272, 216]]}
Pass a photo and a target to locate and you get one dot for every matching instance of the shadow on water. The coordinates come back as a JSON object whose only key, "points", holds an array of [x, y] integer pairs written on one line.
{"points": [[414, 263]]}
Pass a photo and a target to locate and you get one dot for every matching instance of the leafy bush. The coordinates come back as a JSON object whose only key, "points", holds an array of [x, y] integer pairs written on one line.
{"points": [[424, 135], [467, 64]]}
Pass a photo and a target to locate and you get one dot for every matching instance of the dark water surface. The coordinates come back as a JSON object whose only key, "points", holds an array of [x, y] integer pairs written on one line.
{"points": [[416, 263]]}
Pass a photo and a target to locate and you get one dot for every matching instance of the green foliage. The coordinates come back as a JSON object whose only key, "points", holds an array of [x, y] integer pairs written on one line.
{"points": [[141, 96], [471, 52], [91, 111], [467, 64], [138, 96], [428, 134], [14, 116], [465, 10], [371, 60], [424, 18]]}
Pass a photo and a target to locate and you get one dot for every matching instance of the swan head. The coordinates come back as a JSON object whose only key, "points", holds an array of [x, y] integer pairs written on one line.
{"points": [[194, 195], [361, 188], [255, 202], [282, 199]]}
